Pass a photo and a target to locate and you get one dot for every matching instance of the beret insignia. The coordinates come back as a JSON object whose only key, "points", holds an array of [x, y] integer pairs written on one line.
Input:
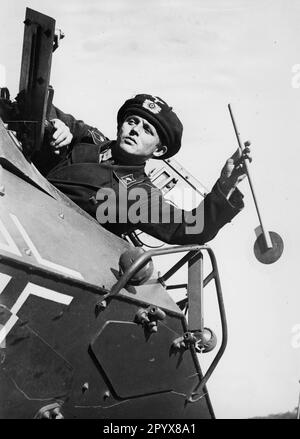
{"points": [[151, 106]]}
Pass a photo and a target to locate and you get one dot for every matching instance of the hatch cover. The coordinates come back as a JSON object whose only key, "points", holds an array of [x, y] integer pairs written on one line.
{"points": [[136, 363]]}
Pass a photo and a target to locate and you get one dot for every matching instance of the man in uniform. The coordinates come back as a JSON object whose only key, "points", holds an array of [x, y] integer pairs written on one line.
{"points": [[107, 179]]}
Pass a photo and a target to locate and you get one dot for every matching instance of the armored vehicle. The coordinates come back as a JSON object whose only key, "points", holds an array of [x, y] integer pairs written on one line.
{"points": [[89, 326]]}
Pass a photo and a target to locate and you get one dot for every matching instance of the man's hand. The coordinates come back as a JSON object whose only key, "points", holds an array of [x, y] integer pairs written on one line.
{"points": [[234, 170], [62, 135]]}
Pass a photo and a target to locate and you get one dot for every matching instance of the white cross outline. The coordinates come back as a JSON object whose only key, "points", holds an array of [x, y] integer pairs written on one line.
{"points": [[34, 290], [11, 247]]}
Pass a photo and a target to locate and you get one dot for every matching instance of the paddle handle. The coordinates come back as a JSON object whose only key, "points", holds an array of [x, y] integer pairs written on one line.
{"points": [[266, 234]]}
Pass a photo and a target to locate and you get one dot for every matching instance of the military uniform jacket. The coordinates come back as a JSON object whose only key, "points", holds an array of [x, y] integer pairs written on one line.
{"points": [[122, 198]]}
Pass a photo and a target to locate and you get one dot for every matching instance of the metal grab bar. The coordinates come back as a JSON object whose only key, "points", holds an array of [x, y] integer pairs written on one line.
{"points": [[215, 275], [144, 258], [193, 249]]}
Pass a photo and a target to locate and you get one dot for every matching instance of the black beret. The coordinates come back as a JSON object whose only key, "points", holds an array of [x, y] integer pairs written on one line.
{"points": [[160, 115]]}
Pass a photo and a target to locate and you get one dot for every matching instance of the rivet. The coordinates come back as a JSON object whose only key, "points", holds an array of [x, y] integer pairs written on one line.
{"points": [[27, 251], [85, 387], [61, 215], [59, 416], [106, 394], [56, 413], [46, 415], [103, 304]]}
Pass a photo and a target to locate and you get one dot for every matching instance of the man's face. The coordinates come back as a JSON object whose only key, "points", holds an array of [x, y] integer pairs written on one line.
{"points": [[138, 138]]}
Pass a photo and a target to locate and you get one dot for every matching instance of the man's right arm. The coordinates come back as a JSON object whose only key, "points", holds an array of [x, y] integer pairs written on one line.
{"points": [[77, 127], [80, 131], [61, 135]]}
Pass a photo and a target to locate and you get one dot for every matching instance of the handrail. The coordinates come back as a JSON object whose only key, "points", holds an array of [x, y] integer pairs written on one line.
{"points": [[193, 249], [142, 260], [223, 325]]}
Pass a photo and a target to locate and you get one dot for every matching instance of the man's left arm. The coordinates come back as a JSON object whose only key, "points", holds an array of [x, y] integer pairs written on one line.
{"points": [[198, 226], [202, 224]]}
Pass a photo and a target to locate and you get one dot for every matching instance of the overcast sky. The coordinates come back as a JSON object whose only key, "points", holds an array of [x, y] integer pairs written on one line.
{"points": [[199, 55]]}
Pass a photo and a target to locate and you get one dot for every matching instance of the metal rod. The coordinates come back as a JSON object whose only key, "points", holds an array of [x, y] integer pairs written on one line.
{"points": [[220, 352], [176, 287], [208, 278], [144, 258], [175, 268], [266, 235], [195, 293]]}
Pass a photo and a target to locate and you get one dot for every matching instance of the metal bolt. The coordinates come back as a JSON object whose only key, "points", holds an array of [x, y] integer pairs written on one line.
{"points": [[153, 330], [102, 305], [85, 387], [2, 189], [61, 215], [176, 344], [56, 413], [27, 251], [59, 416], [106, 394], [152, 326], [46, 415]]}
